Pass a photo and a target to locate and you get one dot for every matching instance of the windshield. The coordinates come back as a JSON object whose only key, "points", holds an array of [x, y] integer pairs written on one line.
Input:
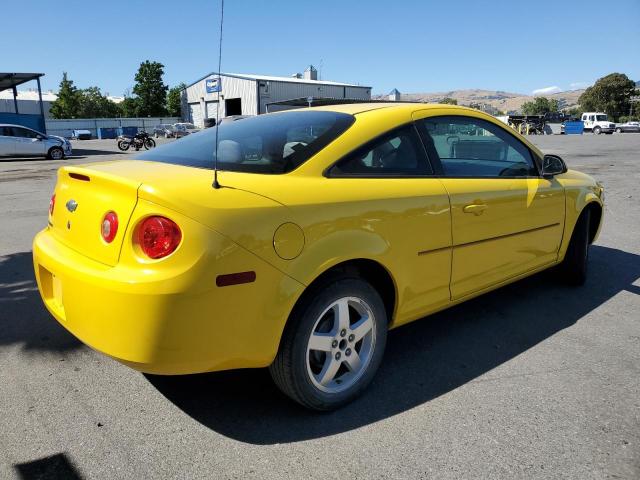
{"points": [[272, 143], [601, 118]]}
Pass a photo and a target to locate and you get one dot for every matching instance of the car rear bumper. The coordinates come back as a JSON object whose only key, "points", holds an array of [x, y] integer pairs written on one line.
{"points": [[166, 325]]}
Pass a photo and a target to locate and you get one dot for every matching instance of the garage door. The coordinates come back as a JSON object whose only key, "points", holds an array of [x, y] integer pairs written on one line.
{"points": [[195, 113], [211, 109]]}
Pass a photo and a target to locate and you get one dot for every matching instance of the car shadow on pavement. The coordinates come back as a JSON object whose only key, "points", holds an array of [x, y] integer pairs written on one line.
{"points": [[57, 466], [423, 360], [23, 317], [81, 152]]}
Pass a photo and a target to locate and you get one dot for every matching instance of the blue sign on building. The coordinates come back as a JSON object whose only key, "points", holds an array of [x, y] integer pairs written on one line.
{"points": [[214, 85]]}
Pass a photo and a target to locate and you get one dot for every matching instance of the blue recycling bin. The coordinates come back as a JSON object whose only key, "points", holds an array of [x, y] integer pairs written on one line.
{"points": [[107, 133], [574, 128], [131, 131]]}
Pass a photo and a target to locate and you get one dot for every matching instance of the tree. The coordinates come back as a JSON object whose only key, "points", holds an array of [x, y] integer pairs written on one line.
{"points": [[174, 100], [128, 107], [449, 101], [95, 105], [610, 94], [67, 104], [150, 89], [575, 112], [540, 106]]}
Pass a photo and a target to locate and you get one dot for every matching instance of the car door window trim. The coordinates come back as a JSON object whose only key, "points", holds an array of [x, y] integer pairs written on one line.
{"points": [[422, 153], [435, 160]]}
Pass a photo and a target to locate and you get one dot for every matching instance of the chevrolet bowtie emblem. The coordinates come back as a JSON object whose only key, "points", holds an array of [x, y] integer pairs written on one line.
{"points": [[72, 205]]}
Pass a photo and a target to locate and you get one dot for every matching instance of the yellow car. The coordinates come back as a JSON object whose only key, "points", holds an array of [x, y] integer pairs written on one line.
{"points": [[327, 226]]}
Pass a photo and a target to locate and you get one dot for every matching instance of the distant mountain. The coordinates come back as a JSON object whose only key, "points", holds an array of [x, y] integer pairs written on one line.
{"points": [[498, 99]]}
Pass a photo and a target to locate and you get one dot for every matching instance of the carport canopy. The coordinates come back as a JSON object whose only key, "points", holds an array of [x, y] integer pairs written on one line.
{"points": [[12, 80]]}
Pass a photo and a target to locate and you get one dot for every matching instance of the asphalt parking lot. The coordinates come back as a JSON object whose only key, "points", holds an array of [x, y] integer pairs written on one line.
{"points": [[535, 380]]}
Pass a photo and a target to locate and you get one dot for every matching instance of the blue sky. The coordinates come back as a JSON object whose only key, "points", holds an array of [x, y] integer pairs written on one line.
{"points": [[415, 46]]}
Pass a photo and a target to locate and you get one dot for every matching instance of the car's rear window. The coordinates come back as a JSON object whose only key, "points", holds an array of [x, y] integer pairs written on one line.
{"points": [[273, 143]]}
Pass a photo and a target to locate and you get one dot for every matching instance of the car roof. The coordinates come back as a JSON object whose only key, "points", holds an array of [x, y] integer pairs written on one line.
{"points": [[14, 125], [357, 108]]}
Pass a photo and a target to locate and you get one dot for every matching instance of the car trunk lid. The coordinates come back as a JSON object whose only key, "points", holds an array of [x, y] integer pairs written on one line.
{"points": [[83, 197]]}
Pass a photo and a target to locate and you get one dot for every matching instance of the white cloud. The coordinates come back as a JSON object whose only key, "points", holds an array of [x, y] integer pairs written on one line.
{"points": [[578, 85], [547, 90]]}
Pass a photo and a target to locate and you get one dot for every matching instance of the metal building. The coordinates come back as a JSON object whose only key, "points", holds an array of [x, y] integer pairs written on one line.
{"points": [[245, 94]]}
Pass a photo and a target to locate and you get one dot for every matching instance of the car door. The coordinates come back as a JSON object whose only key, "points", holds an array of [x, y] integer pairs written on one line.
{"points": [[7, 142], [506, 219], [28, 142], [387, 189]]}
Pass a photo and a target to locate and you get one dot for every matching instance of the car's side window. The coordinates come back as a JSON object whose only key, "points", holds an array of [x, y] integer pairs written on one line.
{"points": [[398, 153], [24, 133], [471, 147], [6, 132]]}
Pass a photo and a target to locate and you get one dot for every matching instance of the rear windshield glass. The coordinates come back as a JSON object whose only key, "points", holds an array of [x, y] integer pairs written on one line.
{"points": [[273, 143]]}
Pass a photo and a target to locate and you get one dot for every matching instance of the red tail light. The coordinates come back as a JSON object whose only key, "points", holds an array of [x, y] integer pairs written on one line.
{"points": [[158, 236], [109, 227], [52, 204]]}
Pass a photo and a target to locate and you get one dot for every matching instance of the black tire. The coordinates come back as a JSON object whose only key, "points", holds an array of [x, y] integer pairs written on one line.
{"points": [[149, 143], [123, 145], [597, 130], [618, 130], [574, 266], [55, 153], [290, 369]]}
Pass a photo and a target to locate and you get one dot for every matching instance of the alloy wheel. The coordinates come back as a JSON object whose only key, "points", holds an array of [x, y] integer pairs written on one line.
{"points": [[341, 344]]}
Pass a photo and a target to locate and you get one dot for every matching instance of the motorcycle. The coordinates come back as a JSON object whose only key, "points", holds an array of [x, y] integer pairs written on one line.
{"points": [[138, 141]]}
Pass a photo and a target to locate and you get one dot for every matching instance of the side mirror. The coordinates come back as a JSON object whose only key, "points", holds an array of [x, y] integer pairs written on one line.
{"points": [[553, 165], [39, 137]]}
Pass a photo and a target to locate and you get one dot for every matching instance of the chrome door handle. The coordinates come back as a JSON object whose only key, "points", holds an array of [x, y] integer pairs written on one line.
{"points": [[476, 209]]}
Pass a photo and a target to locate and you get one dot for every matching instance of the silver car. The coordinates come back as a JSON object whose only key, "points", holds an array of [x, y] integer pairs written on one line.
{"points": [[628, 127], [186, 127], [19, 141]]}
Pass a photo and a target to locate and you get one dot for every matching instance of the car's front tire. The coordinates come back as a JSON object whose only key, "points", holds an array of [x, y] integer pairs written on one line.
{"points": [[332, 345], [574, 265], [597, 130], [55, 153], [618, 130]]}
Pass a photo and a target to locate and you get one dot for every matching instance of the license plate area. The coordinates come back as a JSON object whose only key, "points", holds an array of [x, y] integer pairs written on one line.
{"points": [[51, 286]]}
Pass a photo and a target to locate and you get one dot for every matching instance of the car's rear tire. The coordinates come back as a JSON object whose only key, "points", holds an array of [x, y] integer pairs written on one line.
{"points": [[574, 266], [332, 345], [597, 130], [55, 153]]}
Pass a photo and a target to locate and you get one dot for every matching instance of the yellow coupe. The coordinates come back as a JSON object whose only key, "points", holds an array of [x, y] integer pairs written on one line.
{"points": [[329, 226]]}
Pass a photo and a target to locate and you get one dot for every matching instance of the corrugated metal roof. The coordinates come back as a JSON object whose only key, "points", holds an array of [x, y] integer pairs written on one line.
{"points": [[269, 78], [9, 80]]}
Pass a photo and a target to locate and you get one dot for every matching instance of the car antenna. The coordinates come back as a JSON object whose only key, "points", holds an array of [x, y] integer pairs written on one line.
{"points": [[216, 185]]}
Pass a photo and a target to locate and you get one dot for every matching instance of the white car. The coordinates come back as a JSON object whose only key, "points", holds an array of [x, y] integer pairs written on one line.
{"points": [[19, 141], [597, 122], [186, 127]]}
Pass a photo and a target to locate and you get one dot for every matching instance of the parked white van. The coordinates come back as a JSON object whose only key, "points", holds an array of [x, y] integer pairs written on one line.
{"points": [[597, 122]]}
